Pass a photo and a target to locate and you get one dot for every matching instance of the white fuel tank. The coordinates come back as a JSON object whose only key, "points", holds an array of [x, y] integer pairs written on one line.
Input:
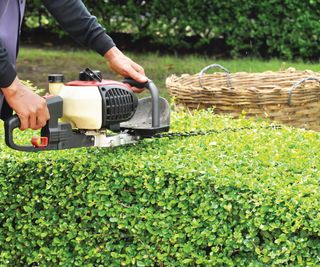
{"points": [[82, 104]]}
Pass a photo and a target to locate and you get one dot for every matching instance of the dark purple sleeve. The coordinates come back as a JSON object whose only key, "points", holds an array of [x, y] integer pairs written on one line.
{"points": [[7, 71], [75, 19]]}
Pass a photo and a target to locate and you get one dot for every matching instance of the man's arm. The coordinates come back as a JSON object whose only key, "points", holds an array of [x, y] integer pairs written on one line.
{"points": [[75, 19], [31, 108]]}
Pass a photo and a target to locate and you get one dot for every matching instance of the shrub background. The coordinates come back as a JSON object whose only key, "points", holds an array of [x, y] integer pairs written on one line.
{"points": [[289, 29], [238, 198]]}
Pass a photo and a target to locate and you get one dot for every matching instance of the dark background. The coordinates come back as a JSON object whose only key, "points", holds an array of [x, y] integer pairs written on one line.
{"points": [[287, 29]]}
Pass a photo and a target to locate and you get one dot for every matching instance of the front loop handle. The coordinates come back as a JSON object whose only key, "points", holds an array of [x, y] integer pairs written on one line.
{"points": [[298, 84], [154, 91], [215, 66]]}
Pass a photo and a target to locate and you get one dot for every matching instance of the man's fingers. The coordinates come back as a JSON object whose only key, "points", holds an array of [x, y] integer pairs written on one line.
{"points": [[138, 68], [24, 122], [137, 90], [137, 76], [33, 120], [126, 67], [42, 118]]}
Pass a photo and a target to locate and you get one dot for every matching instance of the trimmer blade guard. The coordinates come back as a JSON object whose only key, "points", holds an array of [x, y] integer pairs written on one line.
{"points": [[141, 122]]}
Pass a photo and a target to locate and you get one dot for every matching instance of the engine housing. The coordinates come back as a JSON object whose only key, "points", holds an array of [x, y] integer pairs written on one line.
{"points": [[95, 105]]}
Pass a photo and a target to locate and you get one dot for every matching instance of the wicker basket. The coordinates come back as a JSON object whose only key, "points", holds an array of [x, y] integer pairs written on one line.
{"points": [[290, 97]]}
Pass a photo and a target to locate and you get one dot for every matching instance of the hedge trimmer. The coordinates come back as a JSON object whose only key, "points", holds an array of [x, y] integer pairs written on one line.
{"points": [[83, 112]]}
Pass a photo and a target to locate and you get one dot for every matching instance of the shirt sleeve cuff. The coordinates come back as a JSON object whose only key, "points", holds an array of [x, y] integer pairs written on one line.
{"points": [[102, 44]]}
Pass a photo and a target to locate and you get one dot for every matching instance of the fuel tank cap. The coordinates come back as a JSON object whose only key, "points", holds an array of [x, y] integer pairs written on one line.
{"points": [[55, 78]]}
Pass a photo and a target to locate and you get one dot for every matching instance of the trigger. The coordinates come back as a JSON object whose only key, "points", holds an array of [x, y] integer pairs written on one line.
{"points": [[39, 142]]}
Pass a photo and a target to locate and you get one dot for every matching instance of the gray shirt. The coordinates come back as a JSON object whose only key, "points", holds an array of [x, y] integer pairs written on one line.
{"points": [[11, 14]]}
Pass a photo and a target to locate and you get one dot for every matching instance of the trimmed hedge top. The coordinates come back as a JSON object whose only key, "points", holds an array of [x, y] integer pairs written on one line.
{"points": [[238, 198]]}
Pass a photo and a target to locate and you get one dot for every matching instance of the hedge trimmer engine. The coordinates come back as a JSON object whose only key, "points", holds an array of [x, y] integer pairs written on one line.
{"points": [[86, 112]]}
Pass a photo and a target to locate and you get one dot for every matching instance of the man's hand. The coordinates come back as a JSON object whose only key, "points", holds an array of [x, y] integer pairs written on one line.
{"points": [[31, 108], [123, 65]]}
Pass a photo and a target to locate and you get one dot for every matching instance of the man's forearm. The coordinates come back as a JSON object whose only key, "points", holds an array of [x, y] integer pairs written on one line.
{"points": [[74, 18]]}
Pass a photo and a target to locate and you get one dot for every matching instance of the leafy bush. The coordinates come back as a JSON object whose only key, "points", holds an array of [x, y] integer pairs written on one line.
{"points": [[289, 29], [238, 198]]}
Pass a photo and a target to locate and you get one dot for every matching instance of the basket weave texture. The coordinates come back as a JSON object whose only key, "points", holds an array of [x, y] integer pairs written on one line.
{"points": [[290, 97]]}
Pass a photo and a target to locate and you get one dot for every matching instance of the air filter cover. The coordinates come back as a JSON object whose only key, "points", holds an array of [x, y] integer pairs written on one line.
{"points": [[119, 104]]}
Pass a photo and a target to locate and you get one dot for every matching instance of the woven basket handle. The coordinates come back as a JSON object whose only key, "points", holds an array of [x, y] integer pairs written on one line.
{"points": [[215, 66], [298, 84]]}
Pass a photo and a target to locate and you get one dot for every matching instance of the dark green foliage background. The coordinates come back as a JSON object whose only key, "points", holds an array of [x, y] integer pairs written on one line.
{"points": [[289, 29], [244, 198]]}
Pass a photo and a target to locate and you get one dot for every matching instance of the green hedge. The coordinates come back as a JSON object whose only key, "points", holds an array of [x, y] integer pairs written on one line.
{"points": [[238, 198], [289, 28]]}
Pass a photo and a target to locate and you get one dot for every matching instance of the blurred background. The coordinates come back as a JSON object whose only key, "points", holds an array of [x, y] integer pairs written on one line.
{"points": [[167, 37]]}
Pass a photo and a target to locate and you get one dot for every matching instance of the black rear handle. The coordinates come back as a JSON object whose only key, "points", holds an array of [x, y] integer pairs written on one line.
{"points": [[55, 135], [55, 109], [9, 125]]}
